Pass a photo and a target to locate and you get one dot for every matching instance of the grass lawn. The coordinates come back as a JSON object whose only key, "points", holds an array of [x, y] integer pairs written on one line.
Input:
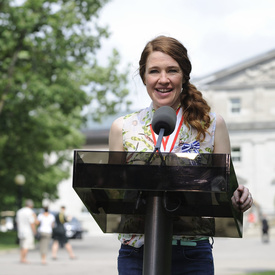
{"points": [[262, 273], [8, 240]]}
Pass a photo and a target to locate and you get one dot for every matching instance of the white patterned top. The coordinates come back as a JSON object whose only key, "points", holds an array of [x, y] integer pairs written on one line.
{"points": [[138, 137]]}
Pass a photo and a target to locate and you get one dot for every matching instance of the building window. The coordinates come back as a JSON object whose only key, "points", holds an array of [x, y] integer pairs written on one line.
{"points": [[235, 105], [236, 154]]}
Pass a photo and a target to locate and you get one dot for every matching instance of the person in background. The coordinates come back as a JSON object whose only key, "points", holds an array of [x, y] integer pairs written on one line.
{"points": [[26, 229], [59, 235], [165, 70], [45, 221], [265, 228]]}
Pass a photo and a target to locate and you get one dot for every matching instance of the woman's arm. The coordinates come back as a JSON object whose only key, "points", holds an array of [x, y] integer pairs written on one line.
{"points": [[221, 142], [116, 142], [115, 136], [241, 198]]}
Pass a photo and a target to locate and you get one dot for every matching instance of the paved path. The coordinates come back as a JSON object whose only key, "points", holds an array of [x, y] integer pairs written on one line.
{"points": [[98, 254], [243, 256]]}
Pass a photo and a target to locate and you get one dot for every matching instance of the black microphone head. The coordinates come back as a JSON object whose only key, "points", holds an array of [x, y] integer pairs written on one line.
{"points": [[164, 117]]}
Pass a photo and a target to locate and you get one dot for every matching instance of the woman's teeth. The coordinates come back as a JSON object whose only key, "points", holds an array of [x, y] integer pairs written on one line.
{"points": [[164, 90]]}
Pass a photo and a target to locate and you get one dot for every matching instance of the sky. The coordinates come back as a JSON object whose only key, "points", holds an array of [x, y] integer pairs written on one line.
{"points": [[217, 34]]}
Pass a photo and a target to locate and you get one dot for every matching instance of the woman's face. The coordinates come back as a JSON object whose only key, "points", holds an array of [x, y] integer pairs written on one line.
{"points": [[163, 79]]}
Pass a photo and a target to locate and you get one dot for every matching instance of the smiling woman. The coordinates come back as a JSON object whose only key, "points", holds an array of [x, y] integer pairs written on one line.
{"points": [[166, 53], [165, 70]]}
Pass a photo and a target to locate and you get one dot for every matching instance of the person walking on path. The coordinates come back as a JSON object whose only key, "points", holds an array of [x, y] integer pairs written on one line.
{"points": [[45, 221], [59, 235], [265, 227], [26, 229]]}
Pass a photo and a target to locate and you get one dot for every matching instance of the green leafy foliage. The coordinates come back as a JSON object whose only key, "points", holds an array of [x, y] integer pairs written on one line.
{"points": [[49, 73]]}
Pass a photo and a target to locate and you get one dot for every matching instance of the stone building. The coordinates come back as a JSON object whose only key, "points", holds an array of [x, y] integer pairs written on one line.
{"points": [[244, 95]]}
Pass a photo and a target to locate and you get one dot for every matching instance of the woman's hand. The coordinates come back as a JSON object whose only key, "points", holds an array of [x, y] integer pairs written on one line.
{"points": [[242, 199]]}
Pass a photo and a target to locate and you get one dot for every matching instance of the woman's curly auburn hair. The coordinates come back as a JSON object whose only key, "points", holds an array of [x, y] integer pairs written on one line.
{"points": [[195, 108]]}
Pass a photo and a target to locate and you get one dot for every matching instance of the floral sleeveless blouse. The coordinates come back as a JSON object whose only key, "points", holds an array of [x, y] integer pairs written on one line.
{"points": [[139, 137]]}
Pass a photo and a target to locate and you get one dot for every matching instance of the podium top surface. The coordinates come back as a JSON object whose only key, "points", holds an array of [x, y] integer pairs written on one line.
{"points": [[141, 158], [163, 172]]}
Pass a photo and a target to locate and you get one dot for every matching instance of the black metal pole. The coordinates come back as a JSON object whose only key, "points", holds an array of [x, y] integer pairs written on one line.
{"points": [[158, 237], [20, 196]]}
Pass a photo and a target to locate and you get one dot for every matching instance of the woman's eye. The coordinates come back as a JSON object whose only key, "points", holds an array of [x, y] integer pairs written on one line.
{"points": [[153, 71], [173, 71]]}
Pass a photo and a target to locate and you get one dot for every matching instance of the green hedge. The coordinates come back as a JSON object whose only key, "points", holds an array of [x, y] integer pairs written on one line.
{"points": [[8, 240]]}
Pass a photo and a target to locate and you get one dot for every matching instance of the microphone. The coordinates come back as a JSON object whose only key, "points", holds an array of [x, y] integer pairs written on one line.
{"points": [[163, 123]]}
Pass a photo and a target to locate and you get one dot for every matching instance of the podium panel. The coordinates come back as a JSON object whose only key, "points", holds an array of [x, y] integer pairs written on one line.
{"points": [[196, 190]]}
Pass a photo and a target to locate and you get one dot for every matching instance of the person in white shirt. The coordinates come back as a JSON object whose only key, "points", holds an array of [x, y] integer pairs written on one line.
{"points": [[45, 221], [26, 229]]}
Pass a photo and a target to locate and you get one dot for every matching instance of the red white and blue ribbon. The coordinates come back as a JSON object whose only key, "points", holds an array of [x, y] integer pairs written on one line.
{"points": [[192, 147]]}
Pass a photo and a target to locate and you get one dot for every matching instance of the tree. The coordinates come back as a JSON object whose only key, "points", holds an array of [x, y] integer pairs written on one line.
{"points": [[49, 73]]}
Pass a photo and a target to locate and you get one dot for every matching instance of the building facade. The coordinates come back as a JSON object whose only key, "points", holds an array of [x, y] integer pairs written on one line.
{"points": [[244, 95]]}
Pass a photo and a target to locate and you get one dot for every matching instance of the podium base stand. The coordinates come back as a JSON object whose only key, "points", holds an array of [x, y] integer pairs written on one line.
{"points": [[158, 237]]}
